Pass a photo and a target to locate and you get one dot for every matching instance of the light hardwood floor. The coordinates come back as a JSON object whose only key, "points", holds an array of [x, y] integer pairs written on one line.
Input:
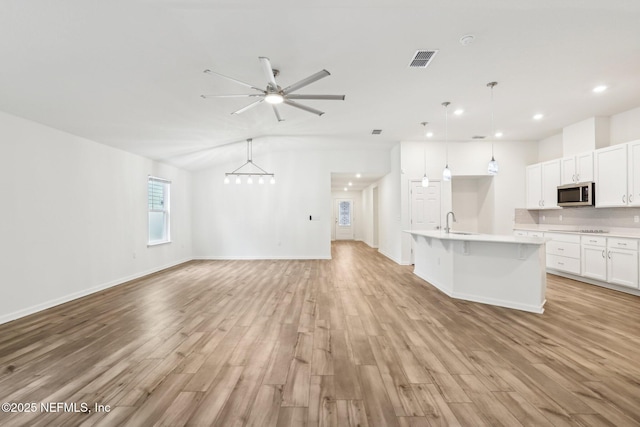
{"points": [[357, 340]]}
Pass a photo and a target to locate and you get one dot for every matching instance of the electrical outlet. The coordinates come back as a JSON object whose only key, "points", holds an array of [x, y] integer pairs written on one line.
{"points": [[636, 218]]}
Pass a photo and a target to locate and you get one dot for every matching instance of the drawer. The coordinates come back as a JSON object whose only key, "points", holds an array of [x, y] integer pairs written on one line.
{"points": [[519, 233], [563, 263], [564, 237], [621, 243], [571, 250], [594, 240], [535, 234]]}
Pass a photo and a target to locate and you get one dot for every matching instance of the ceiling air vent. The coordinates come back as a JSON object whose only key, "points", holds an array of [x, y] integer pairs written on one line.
{"points": [[478, 137], [422, 58], [376, 132]]}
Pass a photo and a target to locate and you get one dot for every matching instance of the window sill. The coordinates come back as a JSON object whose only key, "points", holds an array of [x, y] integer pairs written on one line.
{"points": [[150, 244]]}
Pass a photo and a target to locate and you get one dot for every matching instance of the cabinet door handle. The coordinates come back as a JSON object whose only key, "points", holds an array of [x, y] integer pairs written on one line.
{"points": [[561, 249], [609, 254], [577, 178], [602, 254], [630, 198], [560, 263], [622, 244], [573, 178], [624, 198], [593, 241]]}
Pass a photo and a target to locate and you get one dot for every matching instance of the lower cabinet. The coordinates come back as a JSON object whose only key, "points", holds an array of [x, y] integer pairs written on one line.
{"points": [[594, 257], [622, 262]]}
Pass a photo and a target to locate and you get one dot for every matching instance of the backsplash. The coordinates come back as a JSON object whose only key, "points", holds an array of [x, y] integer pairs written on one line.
{"points": [[587, 217]]}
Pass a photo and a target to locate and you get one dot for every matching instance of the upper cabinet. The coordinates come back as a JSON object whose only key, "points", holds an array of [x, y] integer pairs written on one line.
{"points": [[611, 166], [542, 185], [577, 168], [633, 173]]}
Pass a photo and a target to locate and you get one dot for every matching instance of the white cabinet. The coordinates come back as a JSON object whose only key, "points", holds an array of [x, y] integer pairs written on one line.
{"points": [[577, 168], [542, 185], [594, 257], [622, 262], [611, 176], [633, 173]]}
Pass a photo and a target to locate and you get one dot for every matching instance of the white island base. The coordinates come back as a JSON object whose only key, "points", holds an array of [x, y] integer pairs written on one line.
{"points": [[506, 271]]}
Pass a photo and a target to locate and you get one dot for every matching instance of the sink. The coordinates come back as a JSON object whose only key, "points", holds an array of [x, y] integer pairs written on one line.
{"points": [[465, 233]]}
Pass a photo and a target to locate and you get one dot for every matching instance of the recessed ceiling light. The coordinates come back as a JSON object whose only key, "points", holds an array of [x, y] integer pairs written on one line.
{"points": [[498, 134], [599, 89], [458, 111], [358, 175], [345, 188], [350, 183], [538, 116], [429, 134]]}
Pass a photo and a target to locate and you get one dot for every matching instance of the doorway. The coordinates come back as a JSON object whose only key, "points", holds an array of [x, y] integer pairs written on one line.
{"points": [[425, 207], [343, 219]]}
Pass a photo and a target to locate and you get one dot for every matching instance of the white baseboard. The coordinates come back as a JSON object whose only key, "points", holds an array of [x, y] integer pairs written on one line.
{"points": [[254, 258], [390, 256], [70, 297]]}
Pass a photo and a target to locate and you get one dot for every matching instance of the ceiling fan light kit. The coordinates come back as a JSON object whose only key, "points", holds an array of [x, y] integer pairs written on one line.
{"points": [[274, 94], [250, 170]]}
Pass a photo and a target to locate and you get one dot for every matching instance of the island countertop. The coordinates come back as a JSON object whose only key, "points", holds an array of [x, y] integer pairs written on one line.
{"points": [[507, 271], [478, 237]]}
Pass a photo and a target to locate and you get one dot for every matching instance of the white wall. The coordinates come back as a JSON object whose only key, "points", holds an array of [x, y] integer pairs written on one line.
{"points": [[470, 159], [624, 127], [550, 148], [272, 221], [74, 217], [390, 231]]}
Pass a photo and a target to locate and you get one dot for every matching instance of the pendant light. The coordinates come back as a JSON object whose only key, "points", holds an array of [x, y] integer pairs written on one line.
{"points": [[446, 173], [492, 167], [250, 170], [425, 180]]}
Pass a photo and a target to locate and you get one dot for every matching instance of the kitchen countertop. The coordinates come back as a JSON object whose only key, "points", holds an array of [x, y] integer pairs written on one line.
{"points": [[632, 233], [477, 237]]}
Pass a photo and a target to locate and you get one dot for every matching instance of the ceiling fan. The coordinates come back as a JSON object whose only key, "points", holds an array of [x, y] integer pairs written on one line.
{"points": [[274, 94]]}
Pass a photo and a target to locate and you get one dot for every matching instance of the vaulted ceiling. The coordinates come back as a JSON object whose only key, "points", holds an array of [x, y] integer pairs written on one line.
{"points": [[129, 73]]}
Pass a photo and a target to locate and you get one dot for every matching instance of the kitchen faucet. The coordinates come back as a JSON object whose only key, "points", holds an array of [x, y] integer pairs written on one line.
{"points": [[447, 228]]}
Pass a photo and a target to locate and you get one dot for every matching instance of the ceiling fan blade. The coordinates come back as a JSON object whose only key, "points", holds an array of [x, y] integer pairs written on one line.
{"points": [[232, 96], [323, 97], [233, 80], [303, 107], [275, 110], [243, 109], [268, 72], [304, 82]]}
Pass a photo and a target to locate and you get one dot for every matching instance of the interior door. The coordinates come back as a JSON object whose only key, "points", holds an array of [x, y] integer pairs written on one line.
{"points": [[425, 207], [344, 219]]}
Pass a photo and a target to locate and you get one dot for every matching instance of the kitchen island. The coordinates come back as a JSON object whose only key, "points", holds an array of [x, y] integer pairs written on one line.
{"points": [[507, 271]]}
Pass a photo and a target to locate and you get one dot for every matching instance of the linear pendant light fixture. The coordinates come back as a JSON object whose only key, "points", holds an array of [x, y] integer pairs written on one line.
{"points": [[251, 170], [446, 173], [425, 180], [492, 167]]}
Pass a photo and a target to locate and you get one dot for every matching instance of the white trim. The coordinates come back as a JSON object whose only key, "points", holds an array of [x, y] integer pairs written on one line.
{"points": [[164, 242], [256, 257], [70, 297]]}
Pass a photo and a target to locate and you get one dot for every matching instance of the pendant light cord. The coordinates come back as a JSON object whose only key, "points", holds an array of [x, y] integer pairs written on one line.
{"points": [[446, 132], [493, 129]]}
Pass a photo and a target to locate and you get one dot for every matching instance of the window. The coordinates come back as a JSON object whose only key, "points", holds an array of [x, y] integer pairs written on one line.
{"points": [[158, 189], [344, 214]]}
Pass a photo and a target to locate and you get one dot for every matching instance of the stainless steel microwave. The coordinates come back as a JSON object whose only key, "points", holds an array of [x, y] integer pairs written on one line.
{"points": [[579, 194]]}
